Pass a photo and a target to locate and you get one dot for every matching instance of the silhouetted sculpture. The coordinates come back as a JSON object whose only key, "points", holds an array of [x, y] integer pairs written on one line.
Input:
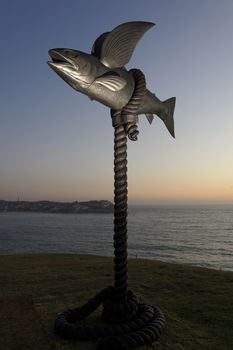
{"points": [[102, 76]]}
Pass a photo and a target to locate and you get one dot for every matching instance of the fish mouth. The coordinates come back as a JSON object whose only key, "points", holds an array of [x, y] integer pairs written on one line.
{"points": [[59, 58], [64, 63]]}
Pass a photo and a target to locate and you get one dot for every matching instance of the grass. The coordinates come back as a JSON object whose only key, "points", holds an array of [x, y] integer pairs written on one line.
{"points": [[197, 302]]}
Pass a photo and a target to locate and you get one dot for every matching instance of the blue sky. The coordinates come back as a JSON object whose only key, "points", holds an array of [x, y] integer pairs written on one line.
{"points": [[56, 144]]}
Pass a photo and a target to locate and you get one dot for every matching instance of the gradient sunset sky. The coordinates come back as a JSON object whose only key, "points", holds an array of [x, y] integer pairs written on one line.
{"points": [[56, 144]]}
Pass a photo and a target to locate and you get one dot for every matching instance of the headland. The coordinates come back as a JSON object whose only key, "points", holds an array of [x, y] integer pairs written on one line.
{"points": [[44, 206]]}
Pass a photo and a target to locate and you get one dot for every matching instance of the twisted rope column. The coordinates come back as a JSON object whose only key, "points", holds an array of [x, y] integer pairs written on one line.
{"points": [[122, 308], [130, 323], [120, 212], [124, 122]]}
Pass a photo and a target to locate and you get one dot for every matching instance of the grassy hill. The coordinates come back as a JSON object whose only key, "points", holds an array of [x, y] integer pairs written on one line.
{"points": [[197, 302]]}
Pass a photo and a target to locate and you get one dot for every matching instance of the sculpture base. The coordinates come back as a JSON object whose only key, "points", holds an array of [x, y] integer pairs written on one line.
{"points": [[128, 324]]}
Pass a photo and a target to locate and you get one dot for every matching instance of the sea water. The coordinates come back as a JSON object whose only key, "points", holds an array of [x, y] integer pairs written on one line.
{"points": [[194, 235]]}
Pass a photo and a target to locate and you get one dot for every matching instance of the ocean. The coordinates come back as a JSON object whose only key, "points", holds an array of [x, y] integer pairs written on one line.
{"points": [[193, 235]]}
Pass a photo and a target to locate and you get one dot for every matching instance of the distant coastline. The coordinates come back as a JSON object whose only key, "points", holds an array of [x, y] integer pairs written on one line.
{"points": [[93, 206]]}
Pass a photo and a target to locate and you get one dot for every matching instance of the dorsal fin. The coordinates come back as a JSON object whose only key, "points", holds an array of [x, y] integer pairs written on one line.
{"points": [[97, 46], [115, 48]]}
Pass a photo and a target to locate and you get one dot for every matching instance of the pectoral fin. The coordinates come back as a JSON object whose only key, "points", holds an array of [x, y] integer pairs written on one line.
{"points": [[112, 82], [115, 48]]}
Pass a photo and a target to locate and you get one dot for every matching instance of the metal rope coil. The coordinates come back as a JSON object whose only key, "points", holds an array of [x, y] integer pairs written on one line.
{"points": [[128, 115]]}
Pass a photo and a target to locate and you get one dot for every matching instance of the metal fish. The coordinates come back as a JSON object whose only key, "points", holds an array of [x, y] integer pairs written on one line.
{"points": [[102, 76]]}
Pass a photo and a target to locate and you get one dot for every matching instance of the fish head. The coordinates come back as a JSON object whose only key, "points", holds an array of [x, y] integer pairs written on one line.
{"points": [[76, 68]]}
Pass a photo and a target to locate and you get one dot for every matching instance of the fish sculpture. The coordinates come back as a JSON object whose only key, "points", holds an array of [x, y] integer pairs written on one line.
{"points": [[102, 75]]}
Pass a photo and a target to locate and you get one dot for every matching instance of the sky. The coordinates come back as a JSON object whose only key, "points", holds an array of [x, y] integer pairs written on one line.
{"points": [[56, 144]]}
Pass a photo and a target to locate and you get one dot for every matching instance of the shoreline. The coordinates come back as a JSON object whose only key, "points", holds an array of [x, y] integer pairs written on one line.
{"points": [[130, 258]]}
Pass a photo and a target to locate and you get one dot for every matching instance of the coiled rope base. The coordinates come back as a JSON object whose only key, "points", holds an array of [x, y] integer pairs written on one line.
{"points": [[142, 326], [128, 322]]}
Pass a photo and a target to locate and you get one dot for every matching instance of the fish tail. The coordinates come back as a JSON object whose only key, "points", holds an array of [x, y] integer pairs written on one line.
{"points": [[167, 116]]}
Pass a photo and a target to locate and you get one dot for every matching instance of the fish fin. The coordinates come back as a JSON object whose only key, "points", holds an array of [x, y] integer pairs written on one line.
{"points": [[97, 46], [168, 119], [112, 82], [115, 48], [150, 117]]}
